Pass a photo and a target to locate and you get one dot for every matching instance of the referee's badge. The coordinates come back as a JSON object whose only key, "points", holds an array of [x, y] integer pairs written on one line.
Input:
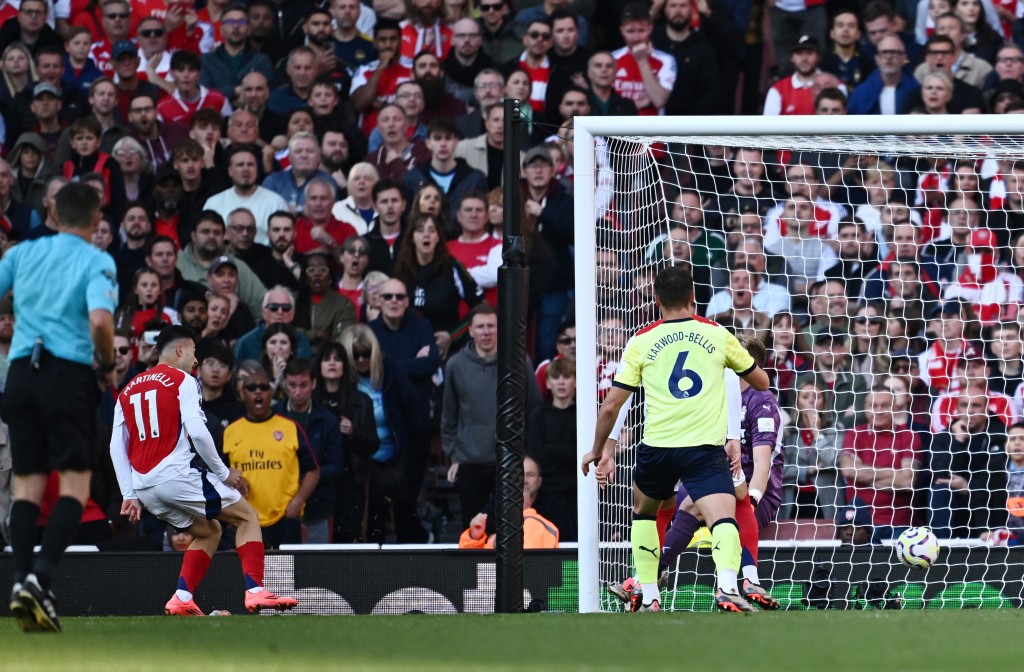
{"points": [[279, 436]]}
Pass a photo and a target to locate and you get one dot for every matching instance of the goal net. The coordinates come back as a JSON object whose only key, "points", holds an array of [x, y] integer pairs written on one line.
{"points": [[879, 260]]}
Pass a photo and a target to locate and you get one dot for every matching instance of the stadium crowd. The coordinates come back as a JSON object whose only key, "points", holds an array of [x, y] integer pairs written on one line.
{"points": [[315, 188]]}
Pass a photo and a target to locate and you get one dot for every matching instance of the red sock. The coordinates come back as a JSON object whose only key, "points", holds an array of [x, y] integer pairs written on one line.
{"points": [[664, 518], [747, 522], [251, 555], [193, 569]]}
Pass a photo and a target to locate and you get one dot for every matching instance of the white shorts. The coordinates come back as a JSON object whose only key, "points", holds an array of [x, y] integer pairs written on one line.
{"points": [[180, 501]]}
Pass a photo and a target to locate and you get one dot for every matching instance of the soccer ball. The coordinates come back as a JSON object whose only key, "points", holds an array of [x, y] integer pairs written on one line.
{"points": [[917, 547]]}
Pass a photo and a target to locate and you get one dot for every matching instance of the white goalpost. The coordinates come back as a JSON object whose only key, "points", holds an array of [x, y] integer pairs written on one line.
{"points": [[818, 209]]}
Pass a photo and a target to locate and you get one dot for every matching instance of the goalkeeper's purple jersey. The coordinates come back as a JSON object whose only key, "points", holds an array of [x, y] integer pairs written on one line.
{"points": [[761, 425]]}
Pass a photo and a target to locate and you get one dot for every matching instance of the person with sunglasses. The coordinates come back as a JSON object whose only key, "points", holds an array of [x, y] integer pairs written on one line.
{"points": [[278, 308], [534, 61], [225, 66], [499, 31]]}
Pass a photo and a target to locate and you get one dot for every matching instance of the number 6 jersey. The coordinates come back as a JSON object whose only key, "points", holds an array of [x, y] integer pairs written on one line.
{"points": [[680, 364]]}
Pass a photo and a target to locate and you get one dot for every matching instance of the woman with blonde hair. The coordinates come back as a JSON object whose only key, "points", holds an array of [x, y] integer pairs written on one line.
{"points": [[936, 92], [19, 70], [370, 305], [136, 169], [398, 413]]}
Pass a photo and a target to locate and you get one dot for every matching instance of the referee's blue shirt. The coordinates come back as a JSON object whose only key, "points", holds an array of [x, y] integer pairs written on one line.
{"points": [[57, 282]]}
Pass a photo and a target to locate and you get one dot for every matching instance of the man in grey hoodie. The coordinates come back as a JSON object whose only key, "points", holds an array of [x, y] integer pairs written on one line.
{"points": [[470, 409]]}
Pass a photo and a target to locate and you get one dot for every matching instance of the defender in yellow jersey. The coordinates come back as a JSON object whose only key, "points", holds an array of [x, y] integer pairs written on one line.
{"points": [[680, 363]]}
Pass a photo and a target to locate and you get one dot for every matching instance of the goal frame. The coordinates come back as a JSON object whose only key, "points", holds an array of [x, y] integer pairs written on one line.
{"points": [[585, 129]]}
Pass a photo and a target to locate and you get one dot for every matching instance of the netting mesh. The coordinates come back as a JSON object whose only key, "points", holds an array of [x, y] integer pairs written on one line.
{"points": [[883, 275]]}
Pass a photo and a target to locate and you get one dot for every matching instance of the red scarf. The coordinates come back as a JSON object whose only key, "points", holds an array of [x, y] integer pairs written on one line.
{"points": [[982, 273]]}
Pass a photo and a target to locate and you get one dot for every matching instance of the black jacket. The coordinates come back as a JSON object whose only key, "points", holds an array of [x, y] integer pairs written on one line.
{"points": [[981, 460], [326, 442], [382, 253]]}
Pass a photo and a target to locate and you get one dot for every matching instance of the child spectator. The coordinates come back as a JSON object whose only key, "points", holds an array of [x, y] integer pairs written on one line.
{"points": [[189, 95], [86, 157], [145, 305], [551, 441], [79, 69]]}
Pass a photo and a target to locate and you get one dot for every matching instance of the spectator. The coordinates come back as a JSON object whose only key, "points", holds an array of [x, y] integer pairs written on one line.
{"points": [[643, 74], [967, 67], [1006, 363], [845, 61], [971, 378], [399, 416], [278, 348], [534, 61], [30, 28], [853, 525], [1014, 490], [287, 473], [50, 70], [831, 357], [385, 236], [410, 99], [352, 48], [376, 83], [748, 290], [303, 169], [604, 100], [789, 355], [158, 138], [812, 445], [246, 193], [438, 102], [357, 210], [215, 364], [751, 192], [397, 155], [795, 94], [284, 265], [136, 173], [439, 283], [698, 89], [568, 55], [551, 441], [501, 41], [444, 169], [477, 250], [485, 151], [538, 531], [941, 55], [423, 30], [278, 308], [198, 183], [878, 461], [301, 70], [144, 305], [21, 214], [830, 101], [335, 390], [488, 86], [990, 291], [880, 21], [255, 92], [224, 68], [967, 463], [136, 227], [322, 430], [469, 412], [320, 312], [222, 278], [354, 258], [206, 245]]}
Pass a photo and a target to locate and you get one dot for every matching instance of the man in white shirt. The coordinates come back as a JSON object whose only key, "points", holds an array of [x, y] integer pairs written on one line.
{"points": [[246, 193]]}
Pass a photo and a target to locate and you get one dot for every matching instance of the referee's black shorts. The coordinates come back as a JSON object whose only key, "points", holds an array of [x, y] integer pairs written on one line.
{"points": [[704, 470], [51, 412]]}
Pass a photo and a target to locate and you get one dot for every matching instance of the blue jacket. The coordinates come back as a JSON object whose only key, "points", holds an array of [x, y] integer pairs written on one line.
{"points": [[217, 73], [864, 99], [327, 443], [250, 345], [400, 347]]}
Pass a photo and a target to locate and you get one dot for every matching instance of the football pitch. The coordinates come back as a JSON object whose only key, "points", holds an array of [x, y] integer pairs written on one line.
{"points": [[831, 641]]}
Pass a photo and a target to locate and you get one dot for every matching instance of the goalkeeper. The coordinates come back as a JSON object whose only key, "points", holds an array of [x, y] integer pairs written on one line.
{"points": [[680, 362]]}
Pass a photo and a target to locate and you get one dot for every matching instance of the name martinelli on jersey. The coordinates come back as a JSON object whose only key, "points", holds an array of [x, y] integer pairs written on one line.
{"points": [[161, 378], [668, 339]]}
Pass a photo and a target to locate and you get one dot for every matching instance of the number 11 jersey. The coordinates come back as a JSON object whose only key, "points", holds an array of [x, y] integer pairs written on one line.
{"points": [[154, 407], [681, 366]]}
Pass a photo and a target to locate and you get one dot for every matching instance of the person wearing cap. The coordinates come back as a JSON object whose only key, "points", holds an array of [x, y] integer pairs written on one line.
{"points": [[853, 524], [550, 206], [967, 486], [990, 290], [50, 68], [222, 279], [643, 74], [795, 94], [788, 21], [45, 106]]}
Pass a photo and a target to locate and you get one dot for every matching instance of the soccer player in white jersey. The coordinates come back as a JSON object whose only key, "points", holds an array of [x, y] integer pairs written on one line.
{"points": [[157, 421]]}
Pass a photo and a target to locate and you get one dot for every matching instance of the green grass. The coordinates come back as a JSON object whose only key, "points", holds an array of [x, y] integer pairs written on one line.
{"points": [[928, 640]]}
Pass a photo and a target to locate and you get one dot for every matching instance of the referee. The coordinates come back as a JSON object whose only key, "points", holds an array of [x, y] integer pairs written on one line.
{"points": [[65, 293]]}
